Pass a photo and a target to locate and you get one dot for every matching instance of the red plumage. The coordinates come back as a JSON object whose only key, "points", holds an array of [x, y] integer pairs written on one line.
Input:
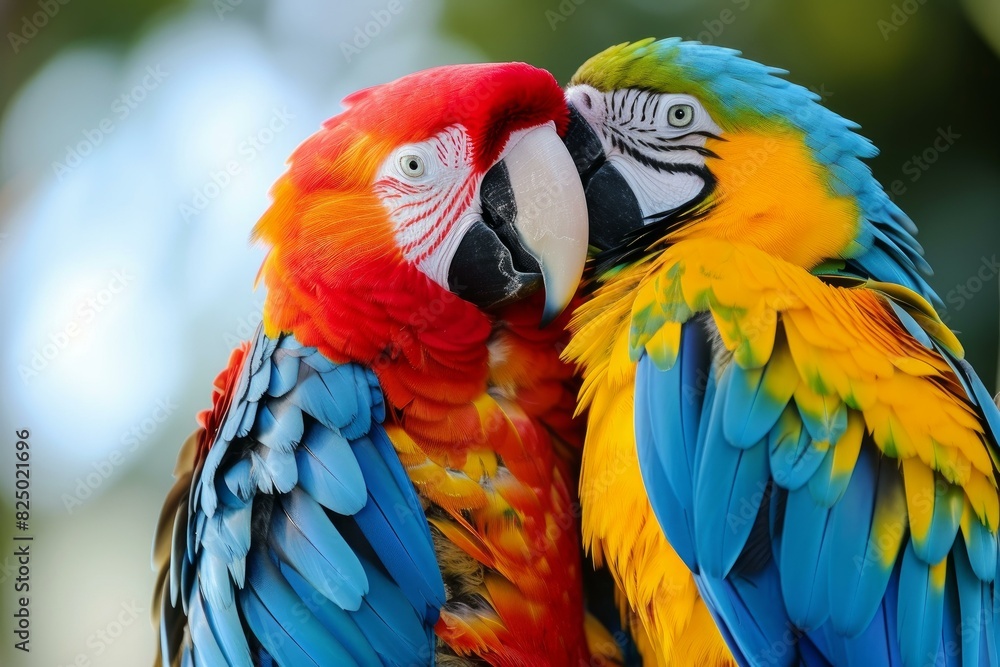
{"points": [[480, 407]]}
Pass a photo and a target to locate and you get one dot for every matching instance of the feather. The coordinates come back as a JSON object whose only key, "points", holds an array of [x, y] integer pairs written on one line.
{"points": [[338, 622], [213, 578], [305, 538], [911, 325], [278, 425], [766, 636], [284, 373], [274, 470], [400, 537], [757, 397], [921, 607], [313, 395], [239, 479], [980, 545], [666, 441], [824, 416], [867, 530], [391, 625], [794, 455], [804, 569], [259, 381], [268, 483], [179, 553], [202, 636], [318, 362], [673, 516], [989, 408], [974, 626], [830, 480], [728, 490], [935, 510], [283, 625], [228, 631], [329, 471], [249, 414]]}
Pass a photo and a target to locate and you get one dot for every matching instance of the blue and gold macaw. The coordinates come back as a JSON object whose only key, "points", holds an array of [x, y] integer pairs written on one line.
{"points": [[768, 377]]}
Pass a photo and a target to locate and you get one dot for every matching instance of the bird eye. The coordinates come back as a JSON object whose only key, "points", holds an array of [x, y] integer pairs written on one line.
{"points": [[412, 165], [680, 115]]}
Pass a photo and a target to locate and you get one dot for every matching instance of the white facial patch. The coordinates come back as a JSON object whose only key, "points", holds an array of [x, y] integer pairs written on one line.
{"points": [[433, 198], [432, 194], [656, 141]]}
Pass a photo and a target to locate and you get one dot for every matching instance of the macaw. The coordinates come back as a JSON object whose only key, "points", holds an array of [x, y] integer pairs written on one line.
{"points": [[767, 376], [380, 480]]}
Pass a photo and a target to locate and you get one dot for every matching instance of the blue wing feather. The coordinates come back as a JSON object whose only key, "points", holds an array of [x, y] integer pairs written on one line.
{"points": [[921, 610], [279, 425], [861, 560], [970, 598], [204, 638], [284, 626], [794, 455], [660, 433], [804, 570], [729, 486], [857, 588], [329, 471], [334, 618], [751, 411], [306, 539], [284, 372], [387, 521], [301, 539]]}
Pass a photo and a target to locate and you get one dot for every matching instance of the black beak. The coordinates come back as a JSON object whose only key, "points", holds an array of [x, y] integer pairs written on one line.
{"points": [[613, 208], [532, 230], [494, 239]]}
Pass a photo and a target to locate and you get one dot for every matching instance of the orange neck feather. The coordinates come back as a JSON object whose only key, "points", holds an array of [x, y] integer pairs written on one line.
{"points": [[349, 293], [773, 195]]}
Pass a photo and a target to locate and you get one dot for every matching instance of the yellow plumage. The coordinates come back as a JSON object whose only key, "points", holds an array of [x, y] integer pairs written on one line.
{"points": [[840, 345], [671, 624]]}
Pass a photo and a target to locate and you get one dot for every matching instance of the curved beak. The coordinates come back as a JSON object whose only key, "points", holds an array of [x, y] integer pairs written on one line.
{"points": [[614, 208], [534, 228]]}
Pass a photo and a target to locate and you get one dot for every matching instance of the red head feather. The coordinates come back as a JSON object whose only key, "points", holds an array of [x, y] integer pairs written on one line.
{"points": [[335, 274], [337, 278]]}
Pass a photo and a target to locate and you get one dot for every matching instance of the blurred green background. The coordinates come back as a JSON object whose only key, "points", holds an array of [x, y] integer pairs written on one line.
{"points": [[124, 266]]}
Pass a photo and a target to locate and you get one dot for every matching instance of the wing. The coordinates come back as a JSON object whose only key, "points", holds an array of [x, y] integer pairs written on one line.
{"points": [[292, 535], [833, 452]]}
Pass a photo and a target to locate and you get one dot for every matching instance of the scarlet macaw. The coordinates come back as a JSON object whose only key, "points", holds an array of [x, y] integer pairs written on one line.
{"points": [[378, 479], [767, 375]]}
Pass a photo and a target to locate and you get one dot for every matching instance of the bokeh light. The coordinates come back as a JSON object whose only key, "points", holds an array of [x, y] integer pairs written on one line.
{"points": [[138, 141]]}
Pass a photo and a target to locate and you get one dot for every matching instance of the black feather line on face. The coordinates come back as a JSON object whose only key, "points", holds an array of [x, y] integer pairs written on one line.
{"points": [[647, 240], [632, 147]]}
